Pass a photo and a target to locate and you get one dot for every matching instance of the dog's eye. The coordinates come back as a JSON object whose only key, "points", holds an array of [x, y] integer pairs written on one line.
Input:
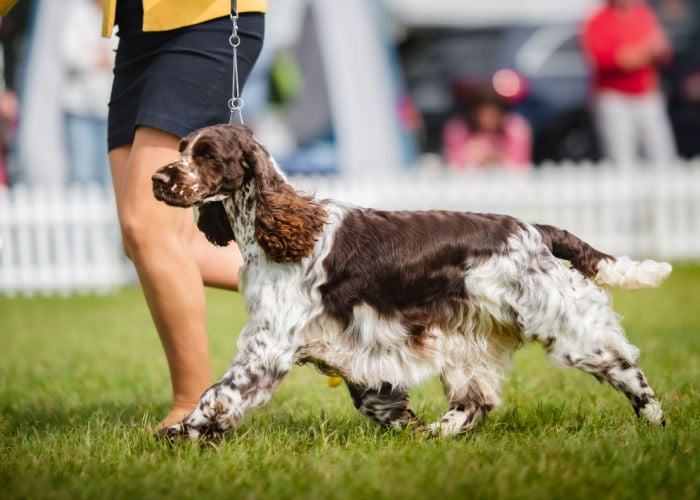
{"points": [[204, 152]]}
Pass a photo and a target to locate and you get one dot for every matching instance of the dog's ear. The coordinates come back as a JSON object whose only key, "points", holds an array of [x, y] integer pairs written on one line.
{"points": [[287, 223], [213, 222]]}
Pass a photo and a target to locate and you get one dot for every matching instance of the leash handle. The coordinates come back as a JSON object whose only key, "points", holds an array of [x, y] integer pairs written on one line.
{"points": [[235, 104]]}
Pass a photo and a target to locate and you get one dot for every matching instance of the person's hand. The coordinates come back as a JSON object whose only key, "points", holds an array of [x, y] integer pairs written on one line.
{"points": [[9, 112], [659, 46], [105, 58], [656, 48], [633, 57], [9, 108]]}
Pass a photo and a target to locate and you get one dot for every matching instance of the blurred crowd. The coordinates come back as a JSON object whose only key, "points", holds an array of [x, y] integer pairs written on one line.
{"points": [[85, 63], [625, 49], [621, 84]]}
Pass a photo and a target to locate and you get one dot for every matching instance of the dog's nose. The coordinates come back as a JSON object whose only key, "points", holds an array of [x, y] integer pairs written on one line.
{"points": [[160, 177]]}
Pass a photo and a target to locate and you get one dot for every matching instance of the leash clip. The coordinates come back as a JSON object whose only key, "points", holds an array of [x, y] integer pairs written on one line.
{"points": [[235, 104]]}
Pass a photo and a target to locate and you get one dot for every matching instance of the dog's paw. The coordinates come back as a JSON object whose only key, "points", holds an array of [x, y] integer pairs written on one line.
{"points": [[425, 433], [175, 433], [183, 432], [653, 413]]}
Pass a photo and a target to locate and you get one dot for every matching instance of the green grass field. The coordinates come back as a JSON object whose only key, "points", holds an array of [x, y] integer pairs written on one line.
{"points": [[83, 380]]}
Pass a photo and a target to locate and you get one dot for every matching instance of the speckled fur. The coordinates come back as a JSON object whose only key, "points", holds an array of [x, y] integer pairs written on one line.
{"points": [[456, 295]]}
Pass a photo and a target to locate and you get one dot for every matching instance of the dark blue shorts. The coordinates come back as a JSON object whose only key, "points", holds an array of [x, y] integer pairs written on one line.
{"points": [[180, 80]]}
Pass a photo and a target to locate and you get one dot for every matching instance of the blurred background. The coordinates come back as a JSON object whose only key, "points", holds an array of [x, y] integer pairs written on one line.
{"points": [[360, 100]]}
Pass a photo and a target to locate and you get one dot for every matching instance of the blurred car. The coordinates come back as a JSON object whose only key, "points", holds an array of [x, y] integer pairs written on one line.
{"points": [[541, 70]]}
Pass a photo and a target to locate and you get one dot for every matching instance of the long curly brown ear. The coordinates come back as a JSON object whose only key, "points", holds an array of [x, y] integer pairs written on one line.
{"points": [[287, 223], [214, 223]]}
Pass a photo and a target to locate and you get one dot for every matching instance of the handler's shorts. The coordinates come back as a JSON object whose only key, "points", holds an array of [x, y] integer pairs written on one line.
{"points": [[179, 80]]}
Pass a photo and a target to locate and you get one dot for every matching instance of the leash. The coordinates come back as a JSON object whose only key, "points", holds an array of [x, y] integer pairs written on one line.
{"points": [[235, 104]]}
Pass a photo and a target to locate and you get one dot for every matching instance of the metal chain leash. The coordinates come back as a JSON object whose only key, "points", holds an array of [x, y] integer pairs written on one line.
{"points": [[235, 104]]}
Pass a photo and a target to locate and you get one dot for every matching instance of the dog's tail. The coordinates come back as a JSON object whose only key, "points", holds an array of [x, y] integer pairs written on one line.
{"points": [[604, 269]]}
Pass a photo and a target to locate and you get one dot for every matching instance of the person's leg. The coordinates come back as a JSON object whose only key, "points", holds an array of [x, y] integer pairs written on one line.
{"points": [[616, 128], [656, 131], [172, 285], [218, 265], [162, 243]]}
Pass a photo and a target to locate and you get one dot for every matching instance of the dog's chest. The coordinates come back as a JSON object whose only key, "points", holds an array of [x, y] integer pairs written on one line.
{"points": [[274, 293], [240, 210]]}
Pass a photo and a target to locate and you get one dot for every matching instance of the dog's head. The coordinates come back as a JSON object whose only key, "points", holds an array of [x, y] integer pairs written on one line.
{"points": [[214, 162], [217, 161]]}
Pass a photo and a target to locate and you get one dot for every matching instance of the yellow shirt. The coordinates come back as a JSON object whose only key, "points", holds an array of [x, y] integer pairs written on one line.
{"points": [[6, 5], [162, 15]]}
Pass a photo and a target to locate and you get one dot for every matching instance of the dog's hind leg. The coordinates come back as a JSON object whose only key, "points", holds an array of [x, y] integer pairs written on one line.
{"points": [[583, 331], [464, 414], [387, 406], [472, 380], [261, 365], [625, 376]]}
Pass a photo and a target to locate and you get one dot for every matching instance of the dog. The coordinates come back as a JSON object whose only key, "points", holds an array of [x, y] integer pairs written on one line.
{"points": [[386, 299]]}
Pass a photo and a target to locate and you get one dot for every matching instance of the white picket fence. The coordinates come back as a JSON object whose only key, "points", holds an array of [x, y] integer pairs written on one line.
{"points": [[55, 240], [60, 240]]}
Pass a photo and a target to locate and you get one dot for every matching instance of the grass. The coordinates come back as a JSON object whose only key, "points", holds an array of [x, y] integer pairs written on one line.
{"points": [[83, 379]]}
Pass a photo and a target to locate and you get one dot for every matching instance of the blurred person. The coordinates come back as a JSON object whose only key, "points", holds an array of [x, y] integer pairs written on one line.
{"points": [[486, 134], [172, 75], [625, 46], [88, 61], [679, 12], [12, 34], [9, 113]]}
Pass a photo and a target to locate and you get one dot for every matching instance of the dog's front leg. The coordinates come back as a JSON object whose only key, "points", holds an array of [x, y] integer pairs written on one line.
{"points": [[261, 365]]}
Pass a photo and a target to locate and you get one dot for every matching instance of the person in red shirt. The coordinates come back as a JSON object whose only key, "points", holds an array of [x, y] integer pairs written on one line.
{"points": [[625, 46]]}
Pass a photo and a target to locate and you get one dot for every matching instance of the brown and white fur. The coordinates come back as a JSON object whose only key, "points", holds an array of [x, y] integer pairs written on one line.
{"points": [[387, 299]]}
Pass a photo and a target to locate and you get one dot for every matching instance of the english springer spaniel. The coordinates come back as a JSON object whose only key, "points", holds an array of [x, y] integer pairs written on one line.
{"points": [[387, 299]]}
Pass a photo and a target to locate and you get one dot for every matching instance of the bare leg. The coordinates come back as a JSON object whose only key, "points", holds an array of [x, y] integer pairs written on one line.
{"points": [[218, 265], [167, 250]]}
